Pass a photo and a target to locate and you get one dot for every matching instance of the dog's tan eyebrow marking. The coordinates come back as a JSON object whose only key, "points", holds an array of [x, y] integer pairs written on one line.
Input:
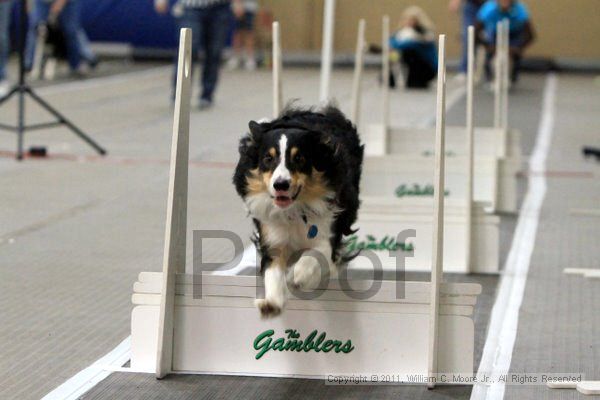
{"points": [[273, 152], [293, 151]]}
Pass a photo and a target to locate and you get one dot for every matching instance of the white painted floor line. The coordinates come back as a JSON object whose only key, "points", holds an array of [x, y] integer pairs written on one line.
{"points": [[89, 377], [502, 331], [79, 384]]}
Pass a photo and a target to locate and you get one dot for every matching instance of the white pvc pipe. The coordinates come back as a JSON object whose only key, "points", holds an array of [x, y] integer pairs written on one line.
{"points": [[437, 269], [506, 74], [175, 231], [498, 76], [277, 89], [358, 70], [470, 144], [385, 71], [327, 49]]}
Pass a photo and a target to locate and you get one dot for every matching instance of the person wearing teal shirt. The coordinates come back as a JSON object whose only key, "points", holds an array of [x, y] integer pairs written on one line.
{"points": [[521, 31]]}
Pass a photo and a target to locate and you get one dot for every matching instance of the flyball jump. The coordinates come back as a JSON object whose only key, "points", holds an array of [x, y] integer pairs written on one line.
{"points": [[427, 329], [496, 149], [472, 234]]}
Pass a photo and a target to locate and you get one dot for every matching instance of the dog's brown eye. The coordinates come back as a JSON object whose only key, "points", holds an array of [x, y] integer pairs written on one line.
{"points": [[300, 160]]}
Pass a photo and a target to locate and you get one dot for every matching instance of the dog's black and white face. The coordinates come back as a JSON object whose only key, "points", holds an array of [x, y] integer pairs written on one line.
{"points": [[299, 176], [287, 174]]}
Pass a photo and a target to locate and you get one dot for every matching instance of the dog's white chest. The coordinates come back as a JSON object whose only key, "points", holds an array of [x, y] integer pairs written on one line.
{"points": [[298, 234]]}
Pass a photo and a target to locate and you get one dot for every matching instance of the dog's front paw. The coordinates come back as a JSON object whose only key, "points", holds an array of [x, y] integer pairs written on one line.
{"points": [[306, 273], [268, 308]]}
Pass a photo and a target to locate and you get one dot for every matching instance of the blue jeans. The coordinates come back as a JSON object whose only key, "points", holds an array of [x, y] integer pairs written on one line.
{"points": [[5, 9], [69, 23], [469, 17], [210, 27]]}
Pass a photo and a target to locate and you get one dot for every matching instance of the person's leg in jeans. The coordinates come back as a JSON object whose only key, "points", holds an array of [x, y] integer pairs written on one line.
{"points": [[5, 9], [469, 17], [38, 14], [69, 22], [85, 51], [189, 19], [83, 43], [216, 21], [490, 51], [489, 55], [516, 47]]}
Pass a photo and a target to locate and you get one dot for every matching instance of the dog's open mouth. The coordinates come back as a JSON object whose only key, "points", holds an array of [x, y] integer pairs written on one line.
{"points": [[283, 199]]}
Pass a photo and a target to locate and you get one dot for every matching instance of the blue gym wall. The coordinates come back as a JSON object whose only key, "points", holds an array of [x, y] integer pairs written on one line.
{"points": [[128, 21]]}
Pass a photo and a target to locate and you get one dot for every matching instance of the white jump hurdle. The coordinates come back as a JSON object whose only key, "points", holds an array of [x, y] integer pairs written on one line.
{"points": [[428, 330], [277, 70], [492, 145], [472, 234], [358, 70], [327, 49]]}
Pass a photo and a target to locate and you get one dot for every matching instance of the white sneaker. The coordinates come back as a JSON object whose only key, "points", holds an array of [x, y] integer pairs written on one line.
{"points": [[250, 64], [4, 87], [233, 63]]}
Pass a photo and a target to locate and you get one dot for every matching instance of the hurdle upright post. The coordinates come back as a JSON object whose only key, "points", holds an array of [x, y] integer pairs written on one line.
{"points": [[437, 269], [358, 70], [498, 76], [505, 73], [470, 139], [277, 68], [327, 49], [176, 224], [385, 71]]}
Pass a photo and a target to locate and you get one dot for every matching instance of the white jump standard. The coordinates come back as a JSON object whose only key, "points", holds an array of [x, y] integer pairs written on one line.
{"points": [[428, 329]]}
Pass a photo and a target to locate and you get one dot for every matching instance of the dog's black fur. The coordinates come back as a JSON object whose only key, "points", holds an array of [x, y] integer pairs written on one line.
{"points": [[330, 145]]}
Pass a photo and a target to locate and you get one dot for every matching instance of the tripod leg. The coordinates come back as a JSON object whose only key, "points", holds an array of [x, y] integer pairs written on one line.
{"points": [[61, 118], [9, 94], [20, 124]]}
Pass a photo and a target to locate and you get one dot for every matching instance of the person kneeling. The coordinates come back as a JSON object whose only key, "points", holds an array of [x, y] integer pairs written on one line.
{"points": [[416, 42]]}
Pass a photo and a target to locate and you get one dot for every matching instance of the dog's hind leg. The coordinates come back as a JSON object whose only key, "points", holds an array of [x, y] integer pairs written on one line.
{"points": [[275, 291]]}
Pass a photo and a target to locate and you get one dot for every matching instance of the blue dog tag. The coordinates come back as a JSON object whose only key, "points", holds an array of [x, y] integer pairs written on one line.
{"points": [[312, 232]]}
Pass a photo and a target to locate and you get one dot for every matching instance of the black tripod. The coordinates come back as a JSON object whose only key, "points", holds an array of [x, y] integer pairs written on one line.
{"points": [[22, 88]]}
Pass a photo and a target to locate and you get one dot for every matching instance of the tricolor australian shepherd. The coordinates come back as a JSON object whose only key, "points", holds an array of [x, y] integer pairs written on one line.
{"points": [[299, 178]]}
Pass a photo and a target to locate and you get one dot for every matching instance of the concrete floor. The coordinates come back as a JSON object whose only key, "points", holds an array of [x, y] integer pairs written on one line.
{"points": [[76, 229]]}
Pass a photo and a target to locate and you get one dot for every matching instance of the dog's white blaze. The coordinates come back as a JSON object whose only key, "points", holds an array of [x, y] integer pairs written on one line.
{"points": [[281, 172]]}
